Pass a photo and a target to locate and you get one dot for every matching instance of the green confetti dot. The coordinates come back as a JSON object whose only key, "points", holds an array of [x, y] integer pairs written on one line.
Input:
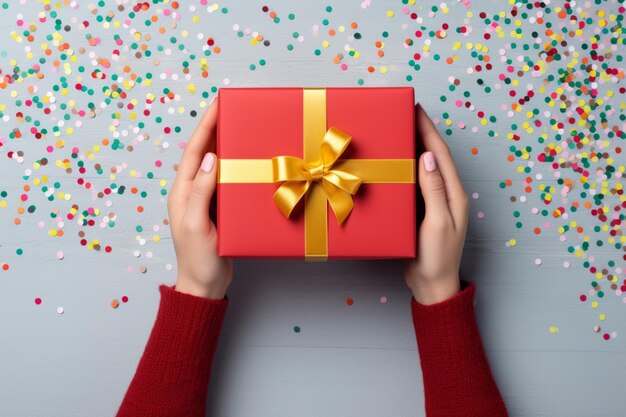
{"points": [[296, 329], [19, 251]]}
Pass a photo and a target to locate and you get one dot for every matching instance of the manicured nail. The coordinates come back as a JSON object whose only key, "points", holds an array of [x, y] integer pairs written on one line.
{"points": [[212, 100], [429, 161], [207, 162]]}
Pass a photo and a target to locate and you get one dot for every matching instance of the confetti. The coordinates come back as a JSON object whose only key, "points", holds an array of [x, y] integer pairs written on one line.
{"points": [[147, 70]]}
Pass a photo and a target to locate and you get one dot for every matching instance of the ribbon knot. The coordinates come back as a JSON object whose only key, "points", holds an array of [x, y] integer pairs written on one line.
{"points": [[298, 175]]}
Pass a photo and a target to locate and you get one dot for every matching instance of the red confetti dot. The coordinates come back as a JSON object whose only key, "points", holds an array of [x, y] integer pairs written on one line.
{"points": [[124, 299], [583, 298], [37, 300], [5, 267], [349, 301]]}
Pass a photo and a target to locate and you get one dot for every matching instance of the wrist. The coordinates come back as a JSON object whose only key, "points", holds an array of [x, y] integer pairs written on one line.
{"points": [[427, 293], [211, 292]]}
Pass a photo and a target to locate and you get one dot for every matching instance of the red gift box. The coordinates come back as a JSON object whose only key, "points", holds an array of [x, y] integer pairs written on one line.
{"points": [[271, 139]]}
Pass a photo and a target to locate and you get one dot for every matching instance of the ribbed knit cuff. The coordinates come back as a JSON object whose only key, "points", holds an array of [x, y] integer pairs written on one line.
{"points": [[187, 325], [173, 374], [427, 316], [456, 373]]}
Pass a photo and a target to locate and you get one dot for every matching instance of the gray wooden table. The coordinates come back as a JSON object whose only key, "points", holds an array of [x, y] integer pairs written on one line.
{"points": [[115, 89]]}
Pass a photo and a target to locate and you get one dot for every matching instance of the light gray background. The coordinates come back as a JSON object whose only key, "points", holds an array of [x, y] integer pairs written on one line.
{"points": [[347, 361]]}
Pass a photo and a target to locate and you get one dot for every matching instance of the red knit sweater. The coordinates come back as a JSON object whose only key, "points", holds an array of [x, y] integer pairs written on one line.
{"points": [[173, 375]]}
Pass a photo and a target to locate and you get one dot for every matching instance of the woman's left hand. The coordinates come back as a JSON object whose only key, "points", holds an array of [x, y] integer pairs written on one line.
{"points": [[201, 271]]}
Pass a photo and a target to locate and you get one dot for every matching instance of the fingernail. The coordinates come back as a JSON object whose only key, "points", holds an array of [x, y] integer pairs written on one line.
{"points": [[212, 100], [207, 162], [429, 161]]}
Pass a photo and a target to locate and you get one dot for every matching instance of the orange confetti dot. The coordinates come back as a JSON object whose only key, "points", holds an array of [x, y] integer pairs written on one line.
{"points": [[354, 25], [537, 231], [474, 151], [140, 209], [115, 303], [5, 267]]}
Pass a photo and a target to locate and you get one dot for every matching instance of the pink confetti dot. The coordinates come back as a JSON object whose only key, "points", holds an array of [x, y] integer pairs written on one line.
{"points": [[38, 301]]}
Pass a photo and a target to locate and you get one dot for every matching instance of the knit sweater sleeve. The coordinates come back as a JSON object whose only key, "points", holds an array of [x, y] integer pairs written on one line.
{"points": [[456, 373], [172, 377]]}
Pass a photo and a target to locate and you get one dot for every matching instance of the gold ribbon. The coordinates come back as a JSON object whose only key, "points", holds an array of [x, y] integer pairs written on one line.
{"points": [[339, 178]]}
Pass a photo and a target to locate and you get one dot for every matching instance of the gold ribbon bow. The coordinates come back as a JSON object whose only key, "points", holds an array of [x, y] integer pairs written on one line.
{"points": [[340, 178], [299, 175]]}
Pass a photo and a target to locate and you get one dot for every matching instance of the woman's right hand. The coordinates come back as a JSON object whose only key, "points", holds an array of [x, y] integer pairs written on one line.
{"points": [[433, 275]]}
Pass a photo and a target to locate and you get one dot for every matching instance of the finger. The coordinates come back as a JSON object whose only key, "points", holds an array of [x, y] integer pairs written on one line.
{"points": [[201, 142], [433, 188], [202, 190], [432, 141]]}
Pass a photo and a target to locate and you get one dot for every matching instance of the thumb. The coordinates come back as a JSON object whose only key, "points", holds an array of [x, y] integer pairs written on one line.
{"points": [[432, 186], [202, 190]]}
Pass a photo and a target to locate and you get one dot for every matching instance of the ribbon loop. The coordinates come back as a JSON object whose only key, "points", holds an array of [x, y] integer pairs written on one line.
{"points": [[298, 175]]}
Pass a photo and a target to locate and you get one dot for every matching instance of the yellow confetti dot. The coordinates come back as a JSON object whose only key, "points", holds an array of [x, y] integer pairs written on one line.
{"points": [[553, 329]]}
